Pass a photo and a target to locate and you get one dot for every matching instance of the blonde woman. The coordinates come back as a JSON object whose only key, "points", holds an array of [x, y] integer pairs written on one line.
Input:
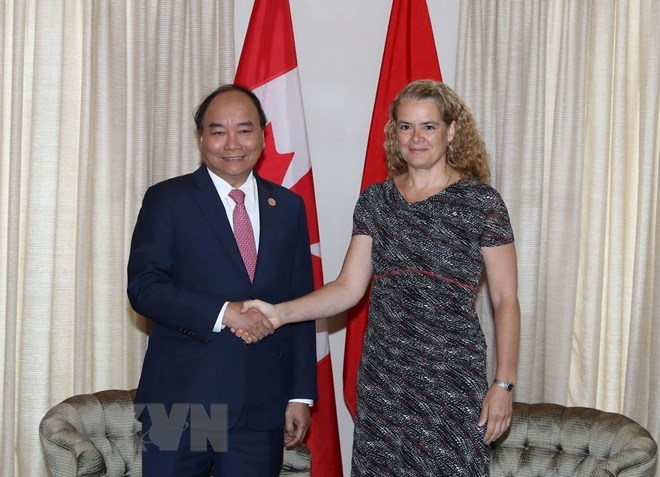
{"points": [[422, 239]]}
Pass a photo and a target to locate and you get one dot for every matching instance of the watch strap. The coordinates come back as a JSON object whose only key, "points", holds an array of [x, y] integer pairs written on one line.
{"points": [[504, 384]]}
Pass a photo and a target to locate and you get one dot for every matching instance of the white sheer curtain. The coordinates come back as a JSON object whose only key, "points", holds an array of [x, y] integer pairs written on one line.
{"points": [[97, 103], [568, 97]]}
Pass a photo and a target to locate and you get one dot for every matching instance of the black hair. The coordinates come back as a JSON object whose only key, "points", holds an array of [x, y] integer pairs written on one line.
{"points": [[204, 105]]}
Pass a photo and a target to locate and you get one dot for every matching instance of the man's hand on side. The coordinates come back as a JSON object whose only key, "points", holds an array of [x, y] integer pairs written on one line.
{"points": [[253, 321], [296, 423]]}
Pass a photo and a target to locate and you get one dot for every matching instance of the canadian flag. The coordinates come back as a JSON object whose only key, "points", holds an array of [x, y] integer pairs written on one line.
{"points": [[409, 55], [268, 65]]}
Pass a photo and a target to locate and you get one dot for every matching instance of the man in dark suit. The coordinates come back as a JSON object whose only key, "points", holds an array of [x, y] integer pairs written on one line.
{"points": [[188, 276]]}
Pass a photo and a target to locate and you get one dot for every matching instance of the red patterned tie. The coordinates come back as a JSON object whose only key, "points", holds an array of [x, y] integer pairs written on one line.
{"points": [[243, 232]]}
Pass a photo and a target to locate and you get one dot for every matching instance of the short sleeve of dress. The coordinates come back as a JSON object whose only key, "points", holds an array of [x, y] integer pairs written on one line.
{"points": [[361, 217], [497, 228]]}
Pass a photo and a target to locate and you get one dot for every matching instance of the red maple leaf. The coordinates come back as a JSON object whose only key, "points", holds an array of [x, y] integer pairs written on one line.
{"points": [[273, 166]]}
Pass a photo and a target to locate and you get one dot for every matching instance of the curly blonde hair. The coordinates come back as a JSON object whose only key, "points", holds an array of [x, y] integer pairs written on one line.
{"points": [[466, 153]]}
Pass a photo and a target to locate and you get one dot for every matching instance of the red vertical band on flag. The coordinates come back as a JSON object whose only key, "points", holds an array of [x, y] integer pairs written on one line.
{"points": [[268, 65], [409, 54]]}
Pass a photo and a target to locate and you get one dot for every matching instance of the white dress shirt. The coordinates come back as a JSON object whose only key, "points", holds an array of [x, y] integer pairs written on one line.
{"points": [[251, 205]]}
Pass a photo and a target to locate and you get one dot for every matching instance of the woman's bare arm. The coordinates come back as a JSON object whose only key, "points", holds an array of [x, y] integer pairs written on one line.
{"points": [[502, 275], [331, 299]]}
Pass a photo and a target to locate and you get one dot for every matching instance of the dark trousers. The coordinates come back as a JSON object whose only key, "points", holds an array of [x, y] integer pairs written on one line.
{"points": [[248, 453]]}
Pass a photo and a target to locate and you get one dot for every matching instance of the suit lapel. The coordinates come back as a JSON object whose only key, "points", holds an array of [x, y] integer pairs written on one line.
{"points": [[206, 197], [268, 214]]}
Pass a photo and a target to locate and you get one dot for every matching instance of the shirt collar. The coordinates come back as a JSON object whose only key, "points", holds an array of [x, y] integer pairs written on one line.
{"points": [[224, 188]]}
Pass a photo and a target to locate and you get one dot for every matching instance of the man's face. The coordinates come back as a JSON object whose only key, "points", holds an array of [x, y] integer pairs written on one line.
{"points": [[232, 139]]}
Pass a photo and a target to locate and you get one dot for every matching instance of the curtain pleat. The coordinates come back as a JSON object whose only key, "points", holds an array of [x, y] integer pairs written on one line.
{"points": [[567, 96], [642, 377], [97, 102]]}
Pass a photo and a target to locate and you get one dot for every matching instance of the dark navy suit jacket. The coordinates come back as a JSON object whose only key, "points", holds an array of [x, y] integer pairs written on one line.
{"points": [[184, 265]]}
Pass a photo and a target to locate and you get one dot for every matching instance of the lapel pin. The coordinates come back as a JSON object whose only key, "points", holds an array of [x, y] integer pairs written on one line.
{"points": [[271, 202]]}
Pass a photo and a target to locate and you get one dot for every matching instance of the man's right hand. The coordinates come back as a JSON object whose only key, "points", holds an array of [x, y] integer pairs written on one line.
{"points": [[267, 309], [253, 321]]}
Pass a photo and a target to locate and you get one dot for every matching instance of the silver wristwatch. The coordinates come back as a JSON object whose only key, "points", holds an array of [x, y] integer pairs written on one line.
{"points": [[503, 384]]}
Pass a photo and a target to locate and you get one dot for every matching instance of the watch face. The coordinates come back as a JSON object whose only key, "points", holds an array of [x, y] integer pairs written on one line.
{"points": [[503, 384]]}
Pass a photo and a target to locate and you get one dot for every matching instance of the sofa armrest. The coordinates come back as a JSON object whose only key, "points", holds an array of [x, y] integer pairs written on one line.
{"points": [[93, 435], [575, 441], [68, 451]]}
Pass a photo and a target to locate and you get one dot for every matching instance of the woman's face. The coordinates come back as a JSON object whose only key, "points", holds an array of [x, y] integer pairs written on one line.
{"points": [[422, 134]]}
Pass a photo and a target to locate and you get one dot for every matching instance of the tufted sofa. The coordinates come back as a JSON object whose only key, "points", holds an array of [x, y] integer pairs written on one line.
{"points": [[553, 440], [97, 435]]}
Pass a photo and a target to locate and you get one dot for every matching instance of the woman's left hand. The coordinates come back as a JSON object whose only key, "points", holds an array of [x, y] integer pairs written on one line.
{"points": [[496, 413]]}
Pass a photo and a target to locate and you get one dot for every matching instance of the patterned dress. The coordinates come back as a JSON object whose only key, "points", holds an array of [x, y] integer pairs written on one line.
{"points": [[422, 378]]}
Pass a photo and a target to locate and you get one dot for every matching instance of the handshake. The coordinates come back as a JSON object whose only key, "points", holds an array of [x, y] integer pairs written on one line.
{"points": [[252, 320]]}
